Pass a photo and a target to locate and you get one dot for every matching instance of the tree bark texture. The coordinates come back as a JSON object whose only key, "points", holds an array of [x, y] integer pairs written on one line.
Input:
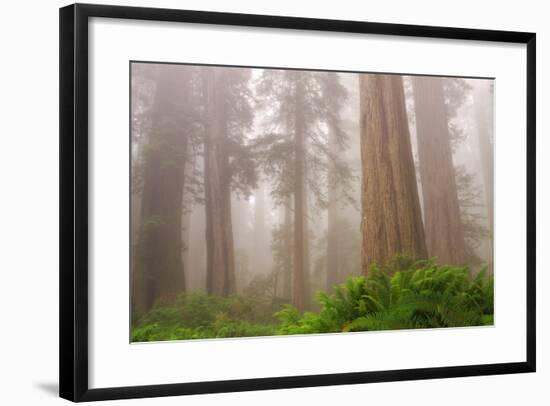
{"points": [[185, 237], [159, 275], [333, 223], [299, 289], [220, 259], [287, 276], [483, 100], [442, 222], [391, 221], [260, 241]]}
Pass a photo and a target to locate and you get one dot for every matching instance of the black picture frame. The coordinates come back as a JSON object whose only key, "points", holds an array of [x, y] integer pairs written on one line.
{"points": [[73, 196]]}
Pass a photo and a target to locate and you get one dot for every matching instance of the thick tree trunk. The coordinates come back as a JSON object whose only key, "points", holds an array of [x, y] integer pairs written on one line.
{"points": [[220, 259], [287, 224], [145, 282], [306, 267], [442, 222], [171, 277], [259, 243], [299, 289], [159, 275], [186, 239], [243, 242], [483, 100], [229, 243], [391, 219], [196, 272], [333, 249]]}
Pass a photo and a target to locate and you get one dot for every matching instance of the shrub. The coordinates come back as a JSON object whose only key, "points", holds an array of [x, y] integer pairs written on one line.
{"points": [[403, 294], [202, 315]]}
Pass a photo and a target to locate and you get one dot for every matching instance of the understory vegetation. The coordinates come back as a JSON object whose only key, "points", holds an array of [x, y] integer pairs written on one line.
{"points": [[404, 294]]}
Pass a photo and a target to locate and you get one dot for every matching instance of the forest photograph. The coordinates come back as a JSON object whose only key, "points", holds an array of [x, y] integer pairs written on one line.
{"points": [[273, 202]]}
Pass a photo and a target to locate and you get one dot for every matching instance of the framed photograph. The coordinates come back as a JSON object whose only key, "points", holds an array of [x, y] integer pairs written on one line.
{"points": [[257, 202]]}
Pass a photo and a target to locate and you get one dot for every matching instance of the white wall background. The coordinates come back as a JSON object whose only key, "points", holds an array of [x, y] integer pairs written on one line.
{"points": [[29, 204]]}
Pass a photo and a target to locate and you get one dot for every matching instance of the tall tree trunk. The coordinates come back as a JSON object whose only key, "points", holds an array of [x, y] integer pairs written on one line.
{"points": [[229, 243], [333, 250], [391, 221], [171, 276], [306, 267], [147, 251], [220, 259], [136, 197], [243, 242], [287, 224], [442, 222], [259, 253], [186, 239], [196, 272], [159, 275], [298, 294], [483, 100]]}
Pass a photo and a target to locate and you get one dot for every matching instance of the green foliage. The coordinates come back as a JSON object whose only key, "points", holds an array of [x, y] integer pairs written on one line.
{"points": [[403, 294], [471, 201], [316, 98], [200, 315]]}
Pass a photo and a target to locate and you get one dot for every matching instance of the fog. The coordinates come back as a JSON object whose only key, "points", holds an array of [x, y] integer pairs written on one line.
{"points": [[219, 147]]}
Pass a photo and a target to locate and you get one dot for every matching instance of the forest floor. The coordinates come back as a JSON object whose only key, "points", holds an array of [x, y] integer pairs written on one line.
{"points": [[403, 295]]}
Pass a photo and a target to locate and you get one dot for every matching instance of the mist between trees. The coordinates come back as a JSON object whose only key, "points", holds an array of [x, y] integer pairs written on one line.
{"points": [[277, 184]]}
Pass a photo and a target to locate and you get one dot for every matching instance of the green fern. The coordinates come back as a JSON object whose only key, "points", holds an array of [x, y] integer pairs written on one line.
{"points": [[404, 294]]}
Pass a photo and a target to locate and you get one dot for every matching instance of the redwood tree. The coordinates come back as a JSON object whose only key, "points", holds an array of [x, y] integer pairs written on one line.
{"points": [[391, 217], [483, 101], [227, 166], [337, 196], [158, 266], [294, 154], [442, 219]]}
